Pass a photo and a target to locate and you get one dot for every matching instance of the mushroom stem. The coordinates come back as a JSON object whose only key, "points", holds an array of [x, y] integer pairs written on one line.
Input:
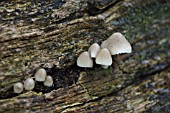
{"points": [[104, 66]]}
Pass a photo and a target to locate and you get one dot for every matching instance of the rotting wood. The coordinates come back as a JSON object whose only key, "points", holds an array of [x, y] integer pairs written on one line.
{"points": [[36, 35]]}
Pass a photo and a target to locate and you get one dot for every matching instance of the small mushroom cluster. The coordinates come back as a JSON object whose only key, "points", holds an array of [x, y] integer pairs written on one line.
{"points": [[29, 83], [115, 44]]}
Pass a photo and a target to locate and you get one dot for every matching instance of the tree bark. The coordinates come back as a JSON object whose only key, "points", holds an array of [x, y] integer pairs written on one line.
{"points": [[52, 34]]}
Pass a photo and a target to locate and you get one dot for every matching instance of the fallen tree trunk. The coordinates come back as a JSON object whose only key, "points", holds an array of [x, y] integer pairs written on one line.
{"points": [[52, 34]]}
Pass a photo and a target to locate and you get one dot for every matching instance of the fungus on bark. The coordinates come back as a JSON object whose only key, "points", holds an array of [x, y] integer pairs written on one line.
{"points": [[48, 81], [40, 75], [117, 44], [93, 50], [29, 84], [84, 60], [18, 87], [104, 58]]}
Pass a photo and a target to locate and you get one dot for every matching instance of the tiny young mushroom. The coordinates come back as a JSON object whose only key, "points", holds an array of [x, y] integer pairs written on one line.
{"points": [[18, 87], [117, 44], [29, 84], [48, 81], [40, 75], [93, 50], [104, 58], [84, 60]]}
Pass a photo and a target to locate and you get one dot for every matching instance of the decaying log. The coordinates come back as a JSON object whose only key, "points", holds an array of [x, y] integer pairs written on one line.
{"points": [[51, 34]]}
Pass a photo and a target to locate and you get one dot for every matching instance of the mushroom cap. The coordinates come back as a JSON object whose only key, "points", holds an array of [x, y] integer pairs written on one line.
{"points": [[40, 75], [84, 60], [48, 81], [104, 57], [29, 84], [18, 87], [117, 44], [104, 44], [93, 50]]}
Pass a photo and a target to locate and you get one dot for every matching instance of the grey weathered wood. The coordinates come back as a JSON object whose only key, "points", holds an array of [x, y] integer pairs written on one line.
{"points": [[35, 34]]}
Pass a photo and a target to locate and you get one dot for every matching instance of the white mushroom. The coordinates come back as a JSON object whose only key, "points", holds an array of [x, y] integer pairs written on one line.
{"points": [[104, 44], [18, 87], [48, 81], [29, 84], [104, 58], [40, 75], [93, 50], [117, 44], [84, 60]]}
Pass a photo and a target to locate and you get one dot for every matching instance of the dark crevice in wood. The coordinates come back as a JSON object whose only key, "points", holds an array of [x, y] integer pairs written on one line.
{"points": [[82, 104], [94, 10], [62, 78]]}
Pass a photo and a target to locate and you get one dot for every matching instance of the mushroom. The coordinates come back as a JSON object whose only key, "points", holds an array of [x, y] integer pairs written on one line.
{"points": [[84, 60], [104, 44], [40, 75], [93, 50], [29, 84], [104, 58], [117, 44], [48, 81], [18, 87]]}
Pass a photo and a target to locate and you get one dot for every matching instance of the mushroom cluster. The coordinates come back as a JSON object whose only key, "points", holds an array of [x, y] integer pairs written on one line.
{"points": [[115, 44], [29, 83], [41, 76]]}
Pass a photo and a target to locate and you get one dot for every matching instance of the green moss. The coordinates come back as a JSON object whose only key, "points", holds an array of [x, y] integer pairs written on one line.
{"points": [[139, 20], [142, 21], [7, 82]]}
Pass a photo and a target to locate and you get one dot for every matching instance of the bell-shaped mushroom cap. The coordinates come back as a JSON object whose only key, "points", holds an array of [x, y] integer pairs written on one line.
{"points": [[84, 60], [40, 75], [29, 84], [103, 57], [18, 87], [118, 44], [48, 81], [93, 50], [104, 44]]}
